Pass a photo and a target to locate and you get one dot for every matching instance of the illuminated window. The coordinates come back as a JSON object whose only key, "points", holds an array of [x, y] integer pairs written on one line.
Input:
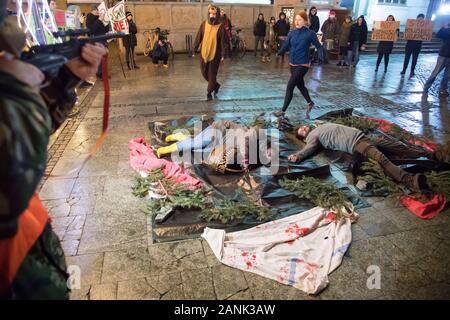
{"points": [[401, 2]]}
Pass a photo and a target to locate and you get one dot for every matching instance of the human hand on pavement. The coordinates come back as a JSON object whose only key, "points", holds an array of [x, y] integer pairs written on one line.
{"points": [[87, 65], [24, 72]]}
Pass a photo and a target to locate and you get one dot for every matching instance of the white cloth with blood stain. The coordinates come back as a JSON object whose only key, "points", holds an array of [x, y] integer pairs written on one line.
{"points": [[299, 250]]}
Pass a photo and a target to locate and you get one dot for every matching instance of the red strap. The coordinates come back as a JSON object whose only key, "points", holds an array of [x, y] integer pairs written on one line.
{"points": [[102, 137]]}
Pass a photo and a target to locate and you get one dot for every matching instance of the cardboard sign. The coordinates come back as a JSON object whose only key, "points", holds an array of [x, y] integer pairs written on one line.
{"points": [[103, 13], [60, 18], [419, 30], [118, 18], [71, 22], [385, 30]]}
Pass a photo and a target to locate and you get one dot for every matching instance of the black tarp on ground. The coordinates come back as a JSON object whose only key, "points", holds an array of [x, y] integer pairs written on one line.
{"points": [[258, 184]]}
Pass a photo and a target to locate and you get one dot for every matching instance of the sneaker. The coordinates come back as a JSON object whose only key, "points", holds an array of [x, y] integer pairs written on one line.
{"points": [[278, 113], [412, 74], [339, 64], [443, 93], [166, 65], [345, 64], [403, 72], [209, 97]]}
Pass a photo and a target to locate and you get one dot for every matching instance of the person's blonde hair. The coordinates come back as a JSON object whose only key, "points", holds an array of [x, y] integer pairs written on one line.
{"points": [[303, 15]]}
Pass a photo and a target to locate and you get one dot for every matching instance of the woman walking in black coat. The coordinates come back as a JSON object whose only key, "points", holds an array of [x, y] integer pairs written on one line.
{"points": [[130, 42], [385, 49]]}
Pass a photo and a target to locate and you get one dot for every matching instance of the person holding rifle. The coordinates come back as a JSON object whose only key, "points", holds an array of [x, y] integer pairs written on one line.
{"points": [[32, 263]]}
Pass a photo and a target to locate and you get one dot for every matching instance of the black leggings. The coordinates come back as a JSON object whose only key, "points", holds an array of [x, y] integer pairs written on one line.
{"points": [[415, 54], [386, 59], [296, 80], [129, 55]]}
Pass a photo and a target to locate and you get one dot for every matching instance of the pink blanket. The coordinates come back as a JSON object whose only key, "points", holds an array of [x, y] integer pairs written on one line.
{"points": [[143, 158]]}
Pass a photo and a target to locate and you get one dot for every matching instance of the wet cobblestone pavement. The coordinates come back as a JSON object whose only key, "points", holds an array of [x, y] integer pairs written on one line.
{"points": [[104, 231]]}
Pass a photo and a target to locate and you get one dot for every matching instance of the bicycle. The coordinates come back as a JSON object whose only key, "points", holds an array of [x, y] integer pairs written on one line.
{"points": [[152, 36], [238, 46]]}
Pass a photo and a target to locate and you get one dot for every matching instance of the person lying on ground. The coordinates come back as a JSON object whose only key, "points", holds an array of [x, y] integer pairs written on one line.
{"points": [[227, 146], [351, 140]]}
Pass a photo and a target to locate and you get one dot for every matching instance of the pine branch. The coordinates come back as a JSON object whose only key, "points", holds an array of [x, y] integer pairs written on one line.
{"points": [[439, 182], [363, 124], [325, 195], [381, 183], [229, 210]]}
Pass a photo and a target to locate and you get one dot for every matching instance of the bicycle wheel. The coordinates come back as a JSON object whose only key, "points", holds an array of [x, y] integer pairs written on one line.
{"points": [[241, 49], [170, 51], [147, 48]]}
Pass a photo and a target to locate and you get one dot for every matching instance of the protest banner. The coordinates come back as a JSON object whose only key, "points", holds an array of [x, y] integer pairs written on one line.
{"points": [[419, 30], [71, 22], [385, 30], [60, 18], [118, 18], [103, 15]]}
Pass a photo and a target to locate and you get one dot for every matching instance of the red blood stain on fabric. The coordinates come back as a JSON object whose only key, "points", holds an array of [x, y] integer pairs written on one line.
{"points": [[249, 264], [297, 230], [331, 216], [244, 253]]}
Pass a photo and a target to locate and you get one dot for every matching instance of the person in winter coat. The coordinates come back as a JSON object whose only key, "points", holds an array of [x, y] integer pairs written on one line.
{"points": [[443, 62], [211, 38], [130, 42], [357, 40], [314, 22], [270, 41], [344, 36], [385, 49], [96, 28], [259, 31], [281, 30], [298, 43], [160, 52], [413, 48], [330, 31], [227, 25]]}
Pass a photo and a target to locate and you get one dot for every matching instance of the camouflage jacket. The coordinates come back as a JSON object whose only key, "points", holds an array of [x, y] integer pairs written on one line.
{"points": [[27, 119]]}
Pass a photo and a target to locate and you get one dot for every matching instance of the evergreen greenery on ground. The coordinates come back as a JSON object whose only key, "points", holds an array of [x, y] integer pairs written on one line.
{"points": [[381, 184], [178, 196], [439, 182], [322, 194], [361, 123], [229, 210]]}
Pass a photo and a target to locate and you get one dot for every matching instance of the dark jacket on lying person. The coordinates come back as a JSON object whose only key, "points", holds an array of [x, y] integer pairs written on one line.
{"points": [[330, 136]]}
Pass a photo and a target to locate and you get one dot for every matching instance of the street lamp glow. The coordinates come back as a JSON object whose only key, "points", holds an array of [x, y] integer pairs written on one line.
{"points": [[444, 9]]}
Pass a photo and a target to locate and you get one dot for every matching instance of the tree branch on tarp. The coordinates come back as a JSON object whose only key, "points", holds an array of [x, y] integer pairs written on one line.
{"points": [[322, 194]]}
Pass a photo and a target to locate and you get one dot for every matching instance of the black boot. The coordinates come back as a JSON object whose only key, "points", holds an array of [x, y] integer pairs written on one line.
{"points": [[415, 182], [209, 96], [128, 65], [135, 65], [216, 90]]}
